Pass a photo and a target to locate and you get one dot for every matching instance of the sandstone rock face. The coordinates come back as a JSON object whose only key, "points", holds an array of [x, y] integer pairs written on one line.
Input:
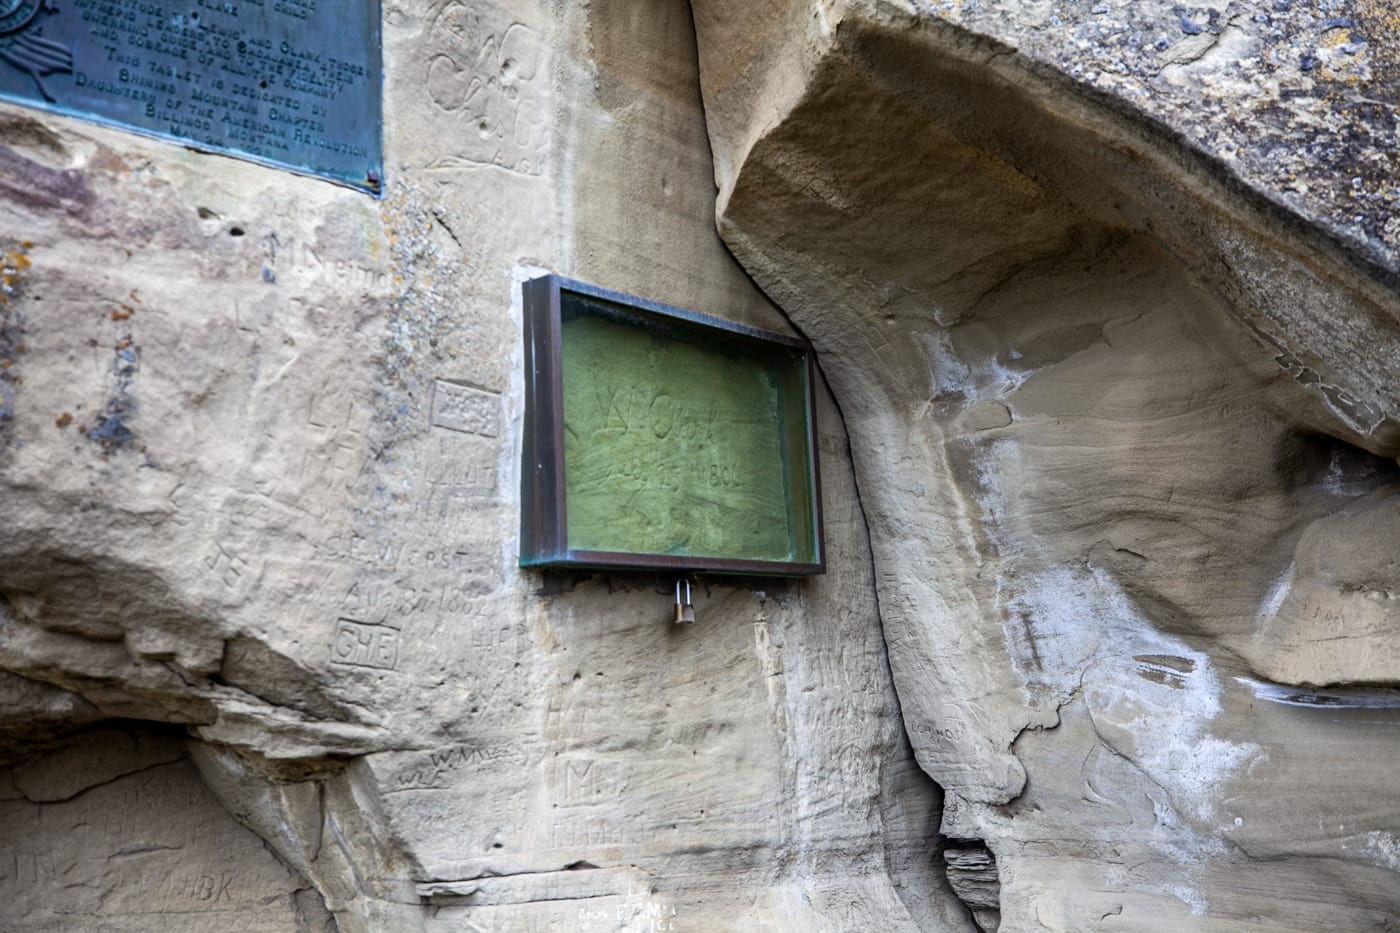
{"points": [[1122, 412], [116, 831], [260, 499], [1108, 637]]}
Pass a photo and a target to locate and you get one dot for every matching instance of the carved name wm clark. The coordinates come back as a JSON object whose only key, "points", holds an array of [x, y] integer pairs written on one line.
{"points": [[289, 83], [660, 438]]}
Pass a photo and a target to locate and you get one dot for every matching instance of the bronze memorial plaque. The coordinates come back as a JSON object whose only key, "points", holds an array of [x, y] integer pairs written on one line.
{"points": [[289, 83], [662, 439]]}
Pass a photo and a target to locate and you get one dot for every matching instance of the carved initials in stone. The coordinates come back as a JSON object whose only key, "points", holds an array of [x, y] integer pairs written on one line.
{"points": [[361, 644]]}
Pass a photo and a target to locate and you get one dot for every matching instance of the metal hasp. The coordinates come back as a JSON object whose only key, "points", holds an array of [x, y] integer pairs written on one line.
{"points": [[294, 84], [685, 611], [662, 439]]}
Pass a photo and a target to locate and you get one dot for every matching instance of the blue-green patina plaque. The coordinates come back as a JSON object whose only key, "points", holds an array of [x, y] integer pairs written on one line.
{"points": [[288, 83], [658, 438]]}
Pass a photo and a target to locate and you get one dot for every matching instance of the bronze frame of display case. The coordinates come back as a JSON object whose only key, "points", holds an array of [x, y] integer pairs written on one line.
{"points": [[544, 508]]}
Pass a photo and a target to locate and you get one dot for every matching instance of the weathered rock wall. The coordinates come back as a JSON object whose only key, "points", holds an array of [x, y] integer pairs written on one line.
{"points": [[116, 831], [1107, 314], [258, 446], [1123, 416]]}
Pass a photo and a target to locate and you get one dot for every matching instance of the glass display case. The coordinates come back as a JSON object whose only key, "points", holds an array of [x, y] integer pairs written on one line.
{"points": [[663, 439]]}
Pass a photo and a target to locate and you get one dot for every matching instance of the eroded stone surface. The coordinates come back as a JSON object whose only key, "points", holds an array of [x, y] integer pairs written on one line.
{"points": [[258, 442], [1298, 101], [115, 831], [1115, 515], [1125, 457]]}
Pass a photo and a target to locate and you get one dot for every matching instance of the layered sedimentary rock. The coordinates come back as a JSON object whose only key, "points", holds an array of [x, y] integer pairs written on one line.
{"points": [[1120, 379], [1107, 640], [115, 830], [260, 500]]}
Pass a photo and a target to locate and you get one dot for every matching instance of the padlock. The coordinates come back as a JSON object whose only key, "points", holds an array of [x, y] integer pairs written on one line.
{"points": [[685, 611]]}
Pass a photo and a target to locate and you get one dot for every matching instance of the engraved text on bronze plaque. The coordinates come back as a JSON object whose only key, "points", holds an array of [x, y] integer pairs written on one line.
{"points": [[290, 83]]}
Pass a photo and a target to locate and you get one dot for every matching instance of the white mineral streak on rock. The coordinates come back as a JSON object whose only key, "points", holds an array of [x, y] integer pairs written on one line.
{"points": [[1190, 897], [949, 376], [1273, 599], [1056, 623], [993, 461], [1343, 479], [1153, 699], [1384, 847], [1321, 698]]}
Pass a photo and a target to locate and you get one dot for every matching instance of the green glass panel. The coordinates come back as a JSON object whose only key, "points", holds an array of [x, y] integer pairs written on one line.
{"points": [[682, 440]]}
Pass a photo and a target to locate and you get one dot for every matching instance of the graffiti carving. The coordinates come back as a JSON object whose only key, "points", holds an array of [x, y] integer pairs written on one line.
{"points": [[483, 69]]}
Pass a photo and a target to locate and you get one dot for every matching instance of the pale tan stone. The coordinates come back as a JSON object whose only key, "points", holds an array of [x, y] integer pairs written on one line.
{"points": [[304, 551], [1108, 466], [1089, 599], [115, 831]]}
